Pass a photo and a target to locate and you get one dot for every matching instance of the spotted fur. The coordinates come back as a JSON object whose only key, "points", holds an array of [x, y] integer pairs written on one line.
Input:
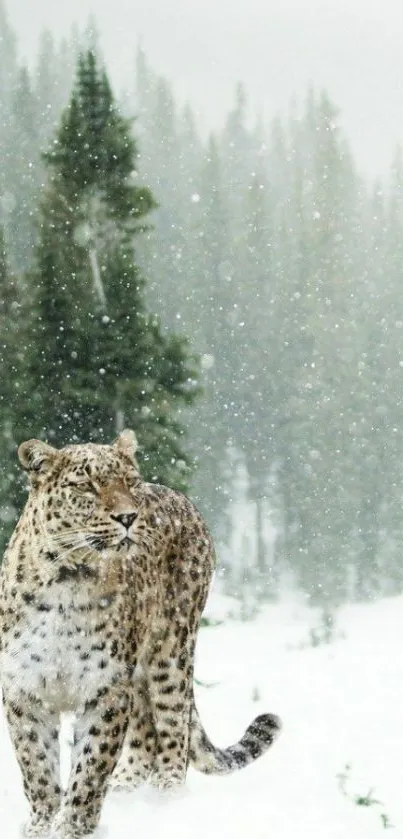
{"points": [[101, 592]]}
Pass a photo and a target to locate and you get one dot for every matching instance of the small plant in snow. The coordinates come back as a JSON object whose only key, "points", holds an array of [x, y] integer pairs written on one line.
{"points": [[361, 800], [205, 684], [210, 622], [325, 632], [343, 777], [386, 821], [366, 800]]}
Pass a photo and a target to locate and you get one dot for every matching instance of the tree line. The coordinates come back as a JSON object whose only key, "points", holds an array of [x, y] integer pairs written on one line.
{"points": [[263, 245]]}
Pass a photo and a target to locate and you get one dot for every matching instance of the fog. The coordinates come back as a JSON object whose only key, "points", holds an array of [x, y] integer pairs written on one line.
{"points": [[350, 47]]}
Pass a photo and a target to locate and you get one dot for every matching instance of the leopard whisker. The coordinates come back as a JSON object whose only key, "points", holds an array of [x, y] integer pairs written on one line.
{"points": [[72, 549]]}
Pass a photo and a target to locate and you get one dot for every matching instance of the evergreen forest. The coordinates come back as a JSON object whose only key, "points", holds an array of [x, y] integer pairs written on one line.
{"points": [[235, 298]]}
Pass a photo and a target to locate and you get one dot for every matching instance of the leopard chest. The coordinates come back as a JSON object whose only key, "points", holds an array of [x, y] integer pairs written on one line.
{"points": [[64, 647]]}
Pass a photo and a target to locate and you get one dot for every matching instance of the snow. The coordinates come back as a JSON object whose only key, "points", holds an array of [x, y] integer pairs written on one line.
{"points": [[341, 704]]}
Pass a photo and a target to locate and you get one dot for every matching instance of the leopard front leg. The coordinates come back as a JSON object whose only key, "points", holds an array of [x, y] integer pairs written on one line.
{"points": [[170, 675], [137, 757], [99, 737], [34, 732]]}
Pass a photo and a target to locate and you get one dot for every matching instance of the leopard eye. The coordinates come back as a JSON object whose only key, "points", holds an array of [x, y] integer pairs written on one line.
{"points": [[88, 489], [81, 486]]}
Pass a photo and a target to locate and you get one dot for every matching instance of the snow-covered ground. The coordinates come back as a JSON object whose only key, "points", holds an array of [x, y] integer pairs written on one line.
{"points": [[341, 704]]}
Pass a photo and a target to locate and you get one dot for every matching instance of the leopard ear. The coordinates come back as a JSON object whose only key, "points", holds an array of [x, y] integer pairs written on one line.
{"points": [[36, 456], [126, 443]]}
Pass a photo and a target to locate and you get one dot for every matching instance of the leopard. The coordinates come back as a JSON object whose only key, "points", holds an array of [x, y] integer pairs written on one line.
{"points": [[102, 589]]}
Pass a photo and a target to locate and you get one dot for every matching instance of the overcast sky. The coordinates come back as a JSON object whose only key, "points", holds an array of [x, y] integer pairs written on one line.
{"points": [[354, 48]]}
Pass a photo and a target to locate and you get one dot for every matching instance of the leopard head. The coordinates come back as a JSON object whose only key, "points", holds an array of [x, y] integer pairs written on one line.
{"points": [[83, 498]]}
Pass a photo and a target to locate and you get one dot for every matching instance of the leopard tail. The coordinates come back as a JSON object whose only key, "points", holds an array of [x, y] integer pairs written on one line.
{"points": [[207, 758]]}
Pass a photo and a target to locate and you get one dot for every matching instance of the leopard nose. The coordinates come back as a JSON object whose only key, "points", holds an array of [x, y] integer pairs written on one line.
{"points": [[126, 519]]}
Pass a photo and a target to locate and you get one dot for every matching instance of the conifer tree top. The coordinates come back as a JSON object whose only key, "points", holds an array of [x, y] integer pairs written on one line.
{"points": [[94, 146]]}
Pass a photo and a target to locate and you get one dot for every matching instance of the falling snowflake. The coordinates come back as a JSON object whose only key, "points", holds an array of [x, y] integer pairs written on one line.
{"points": [[207, 361]]}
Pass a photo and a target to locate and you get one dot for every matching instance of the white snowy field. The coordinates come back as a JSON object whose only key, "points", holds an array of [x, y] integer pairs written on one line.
{"points": [[341, 704]]}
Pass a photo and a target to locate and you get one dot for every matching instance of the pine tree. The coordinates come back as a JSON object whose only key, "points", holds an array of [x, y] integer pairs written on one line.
{"points": [[321, 356], [254, 374], [160, 160], [99, 361], [382, 443], [53, 77], [12, 385], [237, 151], [8, 54], [25, 172], [213, 300], [8, 73]]}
